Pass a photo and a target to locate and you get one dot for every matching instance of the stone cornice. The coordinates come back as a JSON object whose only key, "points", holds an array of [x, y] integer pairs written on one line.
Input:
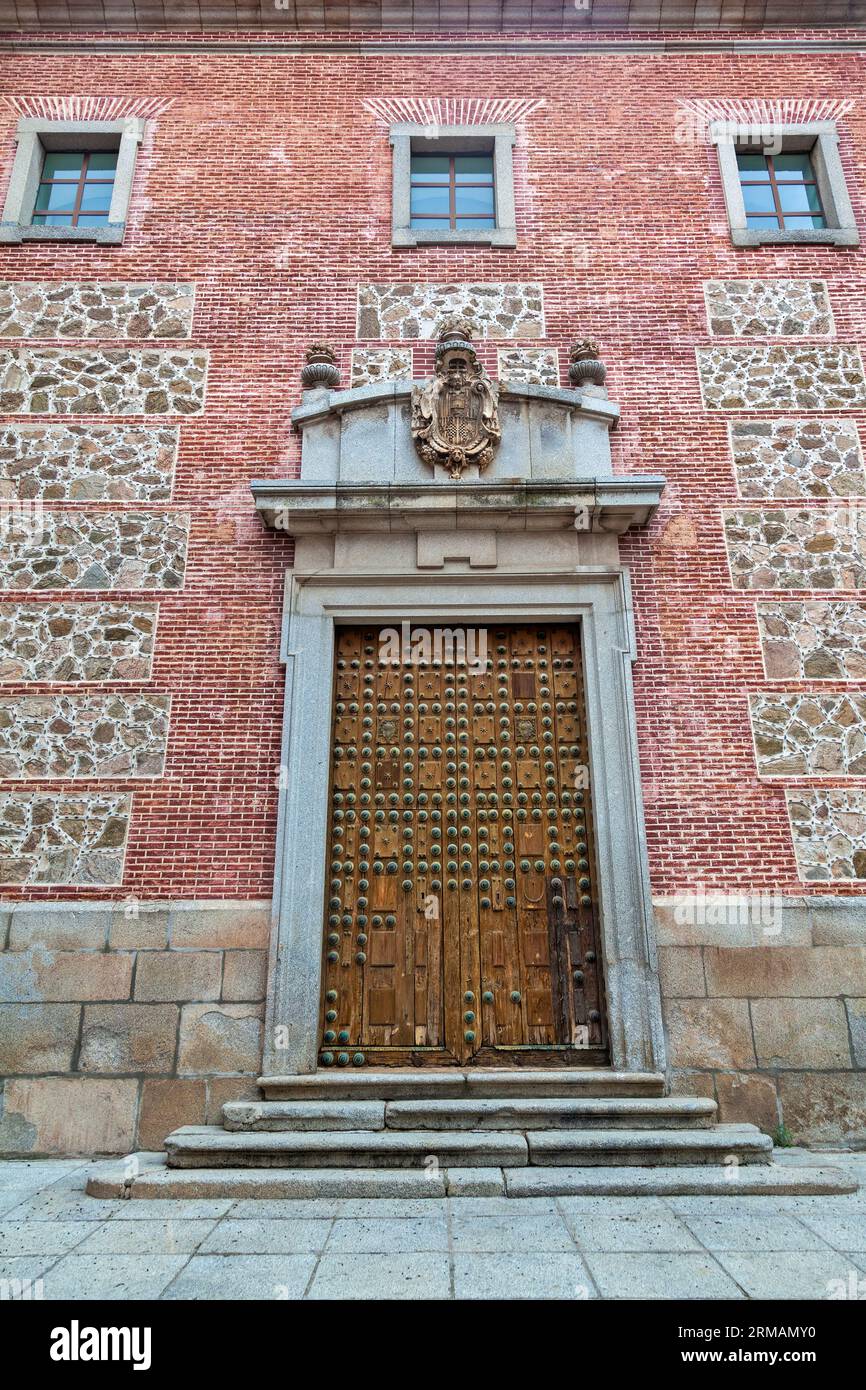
{"points": [[602, 504]]}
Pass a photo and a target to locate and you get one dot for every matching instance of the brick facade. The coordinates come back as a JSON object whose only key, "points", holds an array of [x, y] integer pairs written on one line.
{"points": [[260, 217]]}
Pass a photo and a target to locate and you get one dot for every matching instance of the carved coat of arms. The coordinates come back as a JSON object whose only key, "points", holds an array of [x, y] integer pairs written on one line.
{"points": [[455, 416]]}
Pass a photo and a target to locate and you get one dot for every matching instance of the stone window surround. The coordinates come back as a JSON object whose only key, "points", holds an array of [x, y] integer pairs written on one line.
{"points": [[315, 605], [34, 137], [408, 137], [818, 138]]}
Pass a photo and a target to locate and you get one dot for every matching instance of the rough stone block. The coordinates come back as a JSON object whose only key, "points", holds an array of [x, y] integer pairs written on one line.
{"points": [[709, 1033], [838, 922], [401, 311], [97, 381], [857, 1025], [796, 972], [178, 975], [76, 642], [795, 1033], [828, 825], [37, 1037], [773, 376], [681, 971], [58, 928], [220, 1038], [693, 1083], [245, 975], [768, 308], [221, 1089], [745, 1098], [48, 976], [138, 926], [220, 924], [824, 1107], [809, 457], [165, 1106], [796, 547], [128, 1037], [69, 1115]]}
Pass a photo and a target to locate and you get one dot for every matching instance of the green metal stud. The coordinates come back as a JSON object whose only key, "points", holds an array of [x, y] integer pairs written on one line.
{"points": [[487, 996], [515, 996]]}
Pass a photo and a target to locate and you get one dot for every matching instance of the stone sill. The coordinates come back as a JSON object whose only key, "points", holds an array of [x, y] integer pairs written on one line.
{"points": [[495, 236], [815, 236], [609, 504], [106, 235]]}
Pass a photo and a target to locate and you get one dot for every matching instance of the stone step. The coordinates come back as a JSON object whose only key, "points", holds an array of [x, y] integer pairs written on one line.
{"points": [[419, 1083], [461, 1113], [150, 1178], [208, 1146], [731, 1145]]}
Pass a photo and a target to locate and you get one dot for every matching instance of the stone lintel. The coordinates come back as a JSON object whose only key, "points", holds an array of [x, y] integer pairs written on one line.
{"points": [[608, 504]]}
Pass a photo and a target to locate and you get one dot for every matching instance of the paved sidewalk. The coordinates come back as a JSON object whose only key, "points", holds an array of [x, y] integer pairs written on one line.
{"points": [[471, 1247]]}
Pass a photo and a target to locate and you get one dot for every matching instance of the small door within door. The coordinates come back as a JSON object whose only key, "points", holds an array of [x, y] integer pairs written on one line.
{"points": [[461, 921]]}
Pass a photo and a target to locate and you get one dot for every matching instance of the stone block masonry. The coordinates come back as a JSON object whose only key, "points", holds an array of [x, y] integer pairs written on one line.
{"points": [[507, 310], [829, 829], [537, 366], [809, 735], [796, 548], [101, 381], [87, 463], [98, 735], [54, 838], [768, 308], [76, 642], [798, 458], [381, 364], [120, 1021], [95, 550], [770, 376], [815, 640], [84, 309]]}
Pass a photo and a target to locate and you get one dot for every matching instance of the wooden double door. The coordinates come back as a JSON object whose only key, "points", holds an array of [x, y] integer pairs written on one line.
{"points": [[461, 923]]}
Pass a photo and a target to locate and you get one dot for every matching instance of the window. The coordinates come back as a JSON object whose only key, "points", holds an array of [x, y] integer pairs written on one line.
{"points": [[452, 190], [75, 188], [71, 180], [780, 191], [456, 185], [784, 184]]}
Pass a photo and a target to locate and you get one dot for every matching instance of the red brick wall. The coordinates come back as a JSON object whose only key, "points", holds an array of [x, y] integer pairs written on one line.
{"points": [[267, 184]]}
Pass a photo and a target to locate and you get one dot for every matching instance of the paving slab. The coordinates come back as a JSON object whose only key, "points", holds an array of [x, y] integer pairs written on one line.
{"points": [[753, 1231], [140, 1276], [344, 1275], [812, 1274], [510, 1232], [43, 1237], [661, 1276], [243, 1277], [842, 1231], [662, 1232], [298, 1236], [161, 1237], [389, 1235], [522, 1276]]}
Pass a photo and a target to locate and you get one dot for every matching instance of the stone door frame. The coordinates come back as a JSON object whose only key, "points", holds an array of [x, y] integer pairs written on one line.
{"points": [[597, 597]]}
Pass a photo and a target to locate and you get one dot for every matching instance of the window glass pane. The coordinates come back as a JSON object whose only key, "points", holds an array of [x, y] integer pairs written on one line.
{"points": [[433, 167], [793, 166], [473, 168], [89, 219], [52, 221], [795, 222], [752, 166], [101, 163], [763, 224], [59, 197], [429, 224], [96, 197], [476, 223], [430, 200], [474, 200], [63, 164], [799, 197], [758, 198]]}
